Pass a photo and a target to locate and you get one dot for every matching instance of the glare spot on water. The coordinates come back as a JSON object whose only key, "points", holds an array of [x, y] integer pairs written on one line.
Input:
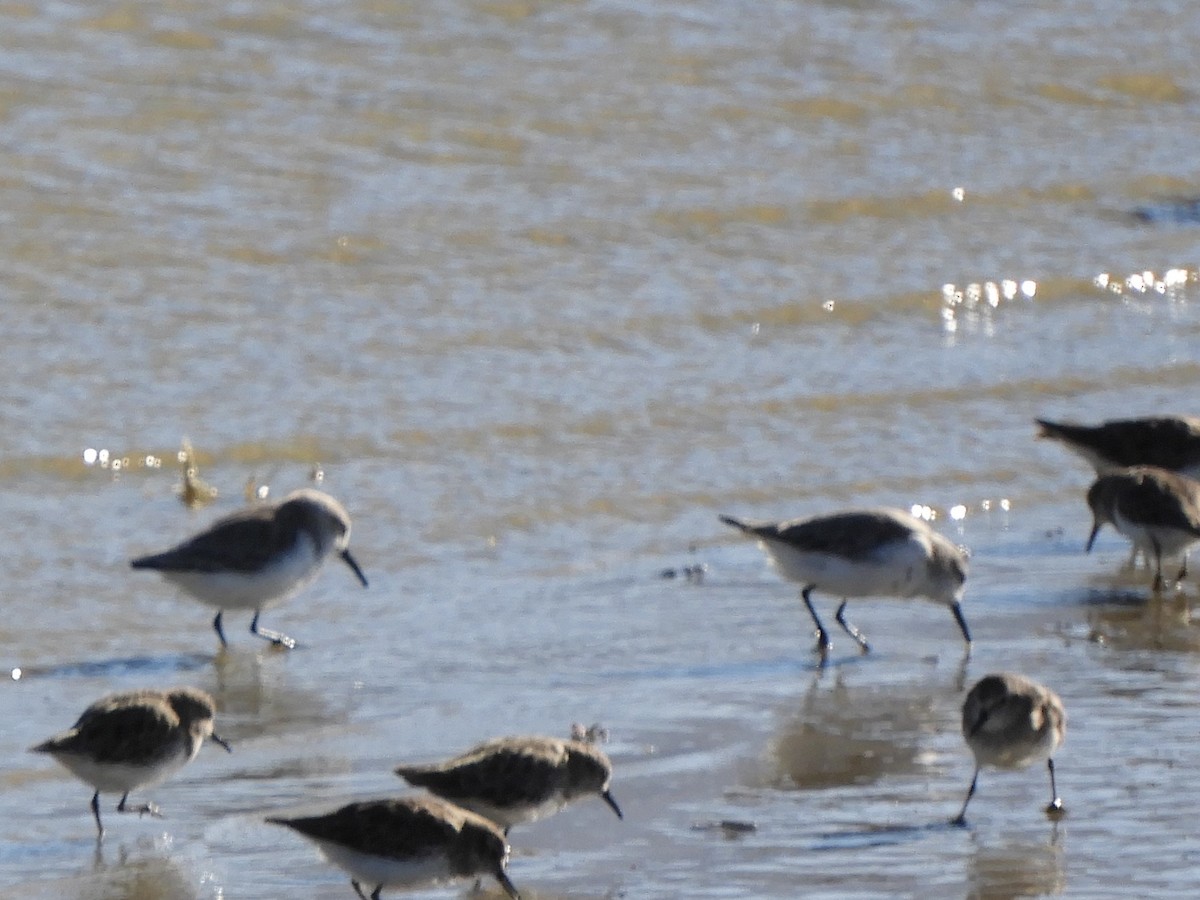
{"points": [[973, 305], [90, 455], [921, 511], [1172, 284], [958, 512], [16, 674], [1005, 504], [958, 194]]}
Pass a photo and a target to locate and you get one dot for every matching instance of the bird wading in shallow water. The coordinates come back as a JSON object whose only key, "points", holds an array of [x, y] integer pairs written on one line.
{"points": [[259, 556], [125, 742], [1157, 510], [1010, 722], [407, 842], [863, 553], [518, 779]]}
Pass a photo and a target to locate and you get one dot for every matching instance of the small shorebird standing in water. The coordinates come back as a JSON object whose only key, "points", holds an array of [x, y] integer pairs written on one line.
{"points": [[406, 842], [124, 742], [518, 779], [1159, 511], [863, 553], [259, 556], [1010, 722], [1169, 442]]}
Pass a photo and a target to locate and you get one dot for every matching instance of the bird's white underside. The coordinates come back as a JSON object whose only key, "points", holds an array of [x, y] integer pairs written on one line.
{"points": [[895, 569], [263, 589]]}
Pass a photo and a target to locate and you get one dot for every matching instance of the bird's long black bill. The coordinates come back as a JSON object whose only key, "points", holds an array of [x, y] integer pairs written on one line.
{"points": [[217, 739], [349, 560], [1092, 538], [962, 621], [509, 887], [612, 804]]}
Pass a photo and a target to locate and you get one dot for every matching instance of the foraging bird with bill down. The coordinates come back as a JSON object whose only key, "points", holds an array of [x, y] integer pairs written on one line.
{"points": [[1157, 510], [406, 842], [514, 780], [1010, 722], [863, 553], [259, 556]]}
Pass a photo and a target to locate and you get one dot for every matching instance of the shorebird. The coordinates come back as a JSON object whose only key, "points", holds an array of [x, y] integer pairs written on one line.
{"points": [[863, 553], [125, 742], [1011, 722], [515, 780], [1169, 442], [259, 556], [406, 842], [1159, 511]]}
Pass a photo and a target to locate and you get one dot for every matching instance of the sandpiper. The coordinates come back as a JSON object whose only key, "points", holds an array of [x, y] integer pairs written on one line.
{"points": [[1010, 722], [406, 842], [514, 780], [259, 556], [134, 740], [863, 553], [1159, 511], [1169, 442]]}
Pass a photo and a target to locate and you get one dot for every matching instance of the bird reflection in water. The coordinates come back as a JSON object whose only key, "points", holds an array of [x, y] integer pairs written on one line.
{"points": [[853, 736], [1127, 621], [1020, 868]]}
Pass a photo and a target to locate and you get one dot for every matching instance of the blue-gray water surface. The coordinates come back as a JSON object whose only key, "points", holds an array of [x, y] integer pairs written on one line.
{"points": [[540, 288]]}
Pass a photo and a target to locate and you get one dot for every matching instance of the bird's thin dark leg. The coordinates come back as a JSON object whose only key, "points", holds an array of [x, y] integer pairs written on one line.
{"points": [[275, 637], [1056, 804], [358, 889], [1158, 579], [823, 642], [96, 813], [1182, 568], [961, 818], [144, 809], [377, 893], [220, 631], [850, 629]]}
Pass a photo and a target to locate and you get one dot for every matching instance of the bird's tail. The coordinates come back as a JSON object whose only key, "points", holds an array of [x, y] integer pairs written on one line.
{"points": [[736, 523], [1059, 431]]}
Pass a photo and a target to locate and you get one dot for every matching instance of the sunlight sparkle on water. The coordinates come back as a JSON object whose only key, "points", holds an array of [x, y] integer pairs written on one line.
{"points": [[1171, 282], [972, 304]]}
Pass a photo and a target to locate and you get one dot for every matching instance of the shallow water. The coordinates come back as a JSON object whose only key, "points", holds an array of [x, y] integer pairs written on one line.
{"points": [[542, 288]]}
